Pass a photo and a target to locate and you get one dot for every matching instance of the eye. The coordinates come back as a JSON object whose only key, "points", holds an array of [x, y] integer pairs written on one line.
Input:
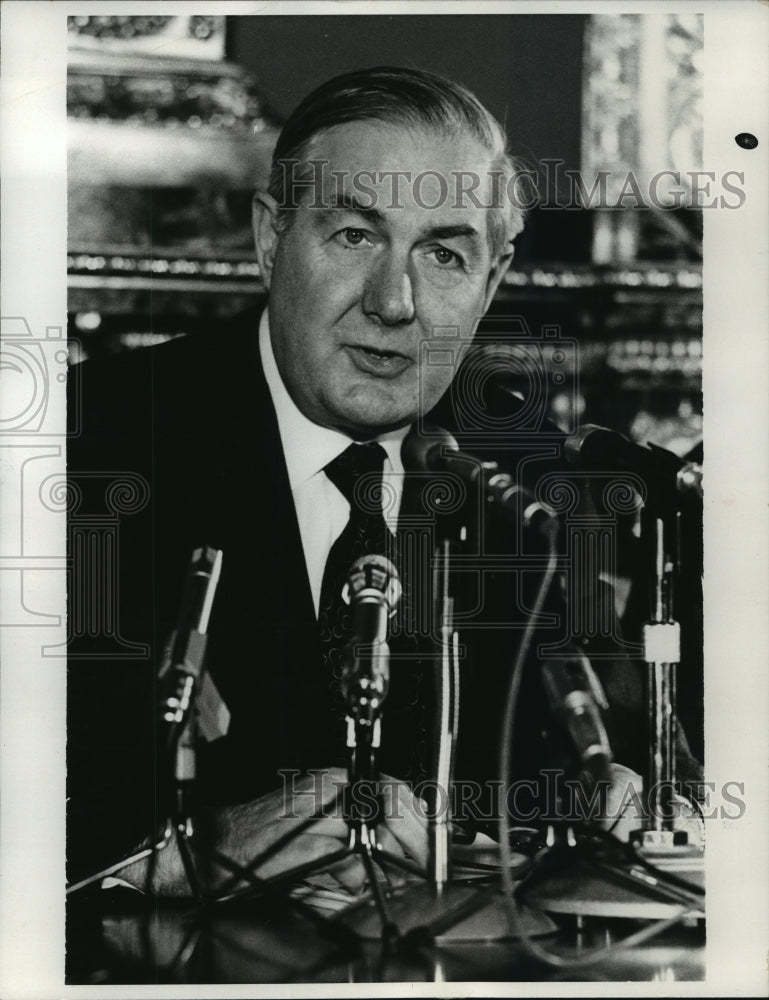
{"points": [[446, 258], [353, 237]]}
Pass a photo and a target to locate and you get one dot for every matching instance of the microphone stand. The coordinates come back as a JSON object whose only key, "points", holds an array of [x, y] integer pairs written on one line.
{"points": [[571, 874], [671, 483], [662, 644], [414, 914], [364, 687], [178, 684], [182, 732], [184, 775], [583, 866], [433, 908], [363, 739], [439, 824]]}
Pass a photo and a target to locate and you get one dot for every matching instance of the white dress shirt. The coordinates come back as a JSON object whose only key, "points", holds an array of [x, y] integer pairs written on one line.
{"points": [[321, 509]]}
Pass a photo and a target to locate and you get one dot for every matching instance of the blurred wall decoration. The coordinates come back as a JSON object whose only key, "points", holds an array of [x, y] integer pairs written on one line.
{"points": [[642, 151], [642, 100], [166, 142], [193, 37]]}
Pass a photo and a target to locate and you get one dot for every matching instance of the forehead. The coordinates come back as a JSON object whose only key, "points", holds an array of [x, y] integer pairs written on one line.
{"points": [[408, 167]]}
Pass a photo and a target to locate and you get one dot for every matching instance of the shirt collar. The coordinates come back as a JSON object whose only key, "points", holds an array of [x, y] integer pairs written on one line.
{"points": [[307, 446]]}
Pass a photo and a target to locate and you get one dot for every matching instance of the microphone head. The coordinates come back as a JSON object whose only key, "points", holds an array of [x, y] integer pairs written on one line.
{"points": [[574, 443], [420, 450], [371, 578], [689, 479]]}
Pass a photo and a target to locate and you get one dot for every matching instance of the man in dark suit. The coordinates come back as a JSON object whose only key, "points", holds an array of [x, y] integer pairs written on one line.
{"points": [[386, 229]]}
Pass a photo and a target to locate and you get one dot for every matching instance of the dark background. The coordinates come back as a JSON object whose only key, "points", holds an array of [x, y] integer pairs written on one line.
{"points": [[526, 69]]}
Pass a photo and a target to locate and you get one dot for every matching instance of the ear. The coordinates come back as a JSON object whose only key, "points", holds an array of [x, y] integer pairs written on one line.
{"points": [[264, 219], [497, 273]]}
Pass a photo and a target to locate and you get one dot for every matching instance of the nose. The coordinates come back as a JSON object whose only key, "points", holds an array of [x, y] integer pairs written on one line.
{"points": [[388, 295]]}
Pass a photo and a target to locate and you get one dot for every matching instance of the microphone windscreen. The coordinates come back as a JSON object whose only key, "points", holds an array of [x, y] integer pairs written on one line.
{"points": [[373, 575], [421, 450]]}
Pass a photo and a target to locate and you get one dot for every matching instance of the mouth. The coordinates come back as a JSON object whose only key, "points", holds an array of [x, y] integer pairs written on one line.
{"points": [[378, 362]]}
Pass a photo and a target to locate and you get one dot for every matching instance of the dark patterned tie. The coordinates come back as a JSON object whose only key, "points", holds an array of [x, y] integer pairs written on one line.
{"points": [[357, 474]]}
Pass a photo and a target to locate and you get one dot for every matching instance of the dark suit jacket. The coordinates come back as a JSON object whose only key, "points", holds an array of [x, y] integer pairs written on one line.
{"points": [[194, 419]]}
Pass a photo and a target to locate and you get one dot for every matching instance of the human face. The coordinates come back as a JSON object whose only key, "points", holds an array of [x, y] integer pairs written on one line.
{"points": [[355, 293]]}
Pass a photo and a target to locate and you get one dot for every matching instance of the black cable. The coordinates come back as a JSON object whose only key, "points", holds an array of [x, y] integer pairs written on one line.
{"points": [[634, 855], [118, 866]]}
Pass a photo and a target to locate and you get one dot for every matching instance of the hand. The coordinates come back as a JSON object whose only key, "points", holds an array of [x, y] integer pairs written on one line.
{"points": [[624, 802], [625, 805], [289, 827]]}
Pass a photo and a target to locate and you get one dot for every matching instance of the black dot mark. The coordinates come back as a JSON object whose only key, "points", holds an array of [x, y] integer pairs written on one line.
{"points": [[746, 140]]}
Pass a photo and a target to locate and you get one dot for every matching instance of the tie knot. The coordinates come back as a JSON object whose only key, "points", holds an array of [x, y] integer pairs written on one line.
{"points": [[348, 468]]}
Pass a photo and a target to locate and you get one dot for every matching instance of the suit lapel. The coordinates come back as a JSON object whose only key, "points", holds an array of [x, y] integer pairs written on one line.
{"points": [[265, 647]]}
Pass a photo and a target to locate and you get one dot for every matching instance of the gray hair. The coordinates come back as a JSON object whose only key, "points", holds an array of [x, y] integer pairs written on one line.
{"points": [[400, 96]]}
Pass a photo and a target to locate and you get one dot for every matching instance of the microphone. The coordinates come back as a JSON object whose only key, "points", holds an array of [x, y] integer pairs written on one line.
{"points": [[503, 400], [373, 590], [603, 450], [438, 451], [178, 678], [574, 694]]}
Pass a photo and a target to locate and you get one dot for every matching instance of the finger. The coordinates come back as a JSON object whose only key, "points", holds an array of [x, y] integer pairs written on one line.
{"points": [[387, 842], [317, 793], [328, 826], [403, 799], [347, 871], [300, 850], [624, 809], [404, 819], [350, 873]]}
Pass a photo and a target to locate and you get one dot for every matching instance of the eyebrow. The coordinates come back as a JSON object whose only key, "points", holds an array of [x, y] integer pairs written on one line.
{"points": [[348, 202], [451, 232]]}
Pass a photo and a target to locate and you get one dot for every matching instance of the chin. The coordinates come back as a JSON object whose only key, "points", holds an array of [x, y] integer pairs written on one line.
{"points": [[371, 422], [376, 415]]}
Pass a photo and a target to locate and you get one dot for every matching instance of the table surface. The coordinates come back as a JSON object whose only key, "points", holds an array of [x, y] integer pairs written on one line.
{"points": [[116, 936]]}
